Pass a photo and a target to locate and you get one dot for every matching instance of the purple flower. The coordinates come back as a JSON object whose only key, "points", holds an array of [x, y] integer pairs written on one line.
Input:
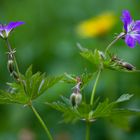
{"points": [[6, 29], [132, 29]]}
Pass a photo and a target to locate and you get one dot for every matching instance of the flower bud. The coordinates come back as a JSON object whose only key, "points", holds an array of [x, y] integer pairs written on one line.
{"points": [[128, 66], [15, 75], [75, 99], [76, 96], [10, 66], [102, 55]]}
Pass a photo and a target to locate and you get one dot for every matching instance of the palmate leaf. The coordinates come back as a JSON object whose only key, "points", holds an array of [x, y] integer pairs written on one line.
{"points": [[70, 113], [123, 98], [36, 84], [8, 98], [105, 109], [29, 88], [92, 56], [108, 61]]}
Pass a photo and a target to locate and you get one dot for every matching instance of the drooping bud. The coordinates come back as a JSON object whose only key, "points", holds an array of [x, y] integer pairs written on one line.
{"points": [[75, 99], [128, 66], [76, 96], [122, 64], [10, 66], [15, 75], [10, 63]]}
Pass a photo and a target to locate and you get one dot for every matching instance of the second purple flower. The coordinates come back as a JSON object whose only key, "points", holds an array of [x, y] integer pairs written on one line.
{"points": [[132, 29]]}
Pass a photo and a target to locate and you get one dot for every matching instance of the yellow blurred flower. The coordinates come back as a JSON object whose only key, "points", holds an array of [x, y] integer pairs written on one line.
{"points": [[96, 26]]}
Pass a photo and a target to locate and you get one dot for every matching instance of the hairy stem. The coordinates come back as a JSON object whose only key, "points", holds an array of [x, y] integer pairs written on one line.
{"points": [[114, 41], [94, 87], [41, 122], [87, 130]]}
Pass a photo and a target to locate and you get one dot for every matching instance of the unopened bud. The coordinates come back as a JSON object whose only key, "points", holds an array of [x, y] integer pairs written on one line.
{"points": [[10, 66], [76, 96], [102, 55], [75, 99], [128, 66], [15, 75]]}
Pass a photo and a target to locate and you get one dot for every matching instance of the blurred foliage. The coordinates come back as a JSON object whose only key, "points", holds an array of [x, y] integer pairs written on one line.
{"points": [[48, 41]]}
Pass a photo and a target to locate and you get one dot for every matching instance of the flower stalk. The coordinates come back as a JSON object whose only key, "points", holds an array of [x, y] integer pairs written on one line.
{"points": [[87, 130], [41, 122], [94, 87], [121, 35]]}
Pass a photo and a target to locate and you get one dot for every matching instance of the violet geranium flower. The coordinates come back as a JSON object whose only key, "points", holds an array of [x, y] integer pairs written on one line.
{"points": [[132, 29], [6, 29]]}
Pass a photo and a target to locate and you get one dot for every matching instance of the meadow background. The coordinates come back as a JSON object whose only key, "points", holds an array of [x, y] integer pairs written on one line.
{"points": [[48, 41]]}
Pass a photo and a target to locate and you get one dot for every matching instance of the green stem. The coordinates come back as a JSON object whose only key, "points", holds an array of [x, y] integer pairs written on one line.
{"points": [[94, 87], [10, 49], [87, 130], [41, 122], [114, 41]]}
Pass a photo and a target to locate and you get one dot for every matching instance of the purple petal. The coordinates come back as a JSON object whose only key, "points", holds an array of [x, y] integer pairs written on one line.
{"points": [[136, 37], [126, 18], [1, 27], [12, 25], [130, 41], [137, 25]]}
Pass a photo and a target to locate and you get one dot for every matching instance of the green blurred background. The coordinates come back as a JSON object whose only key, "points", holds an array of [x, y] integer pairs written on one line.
{"points": [[48, 41]]}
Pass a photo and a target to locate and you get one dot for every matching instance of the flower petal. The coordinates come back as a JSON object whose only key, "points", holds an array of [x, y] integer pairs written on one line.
{"points": [[1, 27], [136, 37], [137, 25], [130, 41], [12, 25], [126, 18]]}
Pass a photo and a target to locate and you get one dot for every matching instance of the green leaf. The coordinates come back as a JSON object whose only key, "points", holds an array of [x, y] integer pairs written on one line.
{"points": [[117, 116], [105, 109], [124, 97], [36, 84], [31, 87], [16, 97], [109, 61], [70, 113], [28, 73], [94, 57]]}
